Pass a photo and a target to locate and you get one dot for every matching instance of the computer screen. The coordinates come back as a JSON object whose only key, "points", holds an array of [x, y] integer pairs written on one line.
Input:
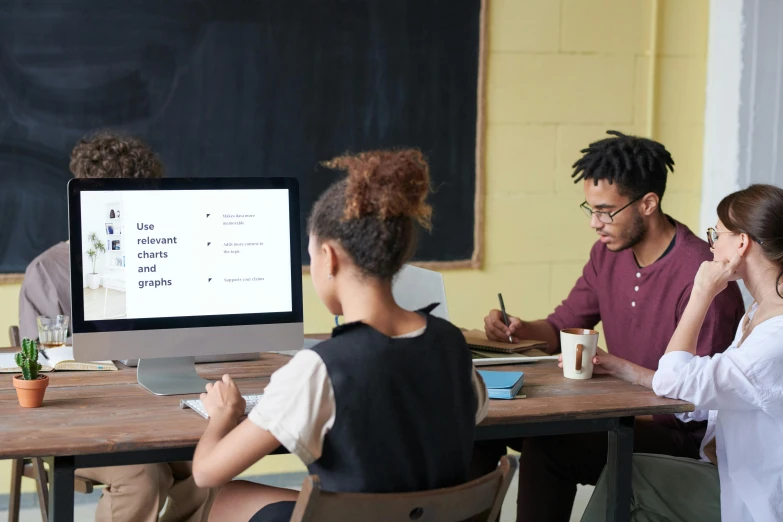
{"points": [[185, 253], [183, 256]]}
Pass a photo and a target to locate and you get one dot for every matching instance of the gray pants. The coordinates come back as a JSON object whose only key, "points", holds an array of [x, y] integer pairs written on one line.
{"points": [[665, 489]]}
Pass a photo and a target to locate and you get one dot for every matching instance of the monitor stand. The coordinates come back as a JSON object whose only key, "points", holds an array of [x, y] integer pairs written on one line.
{"points": [[170, 376]]}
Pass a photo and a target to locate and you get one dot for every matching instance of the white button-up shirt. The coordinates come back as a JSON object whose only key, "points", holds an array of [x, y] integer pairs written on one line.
{"points": [[740, 393]]}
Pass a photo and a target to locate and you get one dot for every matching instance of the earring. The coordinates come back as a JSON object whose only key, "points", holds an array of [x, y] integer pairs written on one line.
{"points": [[331, 276]]}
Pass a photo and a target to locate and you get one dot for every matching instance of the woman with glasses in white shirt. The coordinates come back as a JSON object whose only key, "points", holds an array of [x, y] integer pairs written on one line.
{"points": [[740, 391]]}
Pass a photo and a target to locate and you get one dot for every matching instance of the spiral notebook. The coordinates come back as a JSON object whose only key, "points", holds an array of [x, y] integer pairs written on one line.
{"points": [[477, 340]]}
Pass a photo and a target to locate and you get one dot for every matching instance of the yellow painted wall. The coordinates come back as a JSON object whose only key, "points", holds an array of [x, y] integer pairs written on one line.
{"points": [[561, 72], [9, 310]]}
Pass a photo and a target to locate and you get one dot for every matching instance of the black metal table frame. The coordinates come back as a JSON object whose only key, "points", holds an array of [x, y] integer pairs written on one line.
{"points": [[620, 432]]}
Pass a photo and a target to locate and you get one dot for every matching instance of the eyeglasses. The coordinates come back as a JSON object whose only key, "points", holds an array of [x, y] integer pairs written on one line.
{"points": [[713, 235], [606, 218]]}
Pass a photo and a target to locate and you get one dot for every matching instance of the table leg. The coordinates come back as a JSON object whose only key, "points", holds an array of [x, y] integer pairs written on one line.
{"points": [[618, 467], [61, 471], [17, 470]]}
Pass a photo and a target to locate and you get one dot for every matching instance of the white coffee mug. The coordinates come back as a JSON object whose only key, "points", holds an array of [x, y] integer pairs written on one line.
{"points": [[578, 347]]}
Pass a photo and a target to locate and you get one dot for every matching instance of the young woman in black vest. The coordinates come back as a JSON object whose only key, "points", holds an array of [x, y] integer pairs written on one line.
{"points": [[390, 402]]}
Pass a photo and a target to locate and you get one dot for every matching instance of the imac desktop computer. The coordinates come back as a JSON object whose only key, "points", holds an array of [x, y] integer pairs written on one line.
{"points": [[167, 270]]}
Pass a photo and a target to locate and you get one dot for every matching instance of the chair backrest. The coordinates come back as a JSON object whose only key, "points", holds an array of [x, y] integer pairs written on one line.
{"points": [[478, 500], [13, 336], [414, 288]]}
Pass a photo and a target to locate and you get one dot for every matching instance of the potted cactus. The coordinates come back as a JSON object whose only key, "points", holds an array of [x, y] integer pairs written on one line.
{"points": [[30, 387]]}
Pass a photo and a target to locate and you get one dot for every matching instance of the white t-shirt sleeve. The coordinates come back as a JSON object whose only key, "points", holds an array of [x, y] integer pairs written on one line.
{"points": [[298, 406]]}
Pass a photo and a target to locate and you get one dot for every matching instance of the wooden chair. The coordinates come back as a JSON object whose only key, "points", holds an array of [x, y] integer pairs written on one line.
{"points": [[479, 500], [34, 468]]}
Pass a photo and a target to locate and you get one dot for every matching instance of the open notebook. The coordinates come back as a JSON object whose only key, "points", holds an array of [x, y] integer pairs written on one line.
{"points": [[492, 353], [59, 359]]}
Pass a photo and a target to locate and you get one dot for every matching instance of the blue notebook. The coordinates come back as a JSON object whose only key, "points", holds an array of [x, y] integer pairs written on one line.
{"points": [[502, 385]]}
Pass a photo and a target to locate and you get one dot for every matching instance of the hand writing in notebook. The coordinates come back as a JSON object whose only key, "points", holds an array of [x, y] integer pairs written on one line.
{"points": [[497, 330]]}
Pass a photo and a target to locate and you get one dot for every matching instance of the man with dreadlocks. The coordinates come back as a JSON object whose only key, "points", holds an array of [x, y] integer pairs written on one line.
{"points": [[637, 283]]}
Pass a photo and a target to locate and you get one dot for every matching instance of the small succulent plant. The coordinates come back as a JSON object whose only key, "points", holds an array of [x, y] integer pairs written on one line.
{"points": [[27, 359]]}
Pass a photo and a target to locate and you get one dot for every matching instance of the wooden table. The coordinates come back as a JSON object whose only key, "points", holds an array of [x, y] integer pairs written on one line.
{"points": [[92, 419]]}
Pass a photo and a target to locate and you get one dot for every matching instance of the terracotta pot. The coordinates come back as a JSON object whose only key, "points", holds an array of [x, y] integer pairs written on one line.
{"points": [[30, 393]]}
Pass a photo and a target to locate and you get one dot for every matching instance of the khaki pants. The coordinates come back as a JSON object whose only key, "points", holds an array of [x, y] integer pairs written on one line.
{"points": [[138, 493], [665, 489], [551, 467]]}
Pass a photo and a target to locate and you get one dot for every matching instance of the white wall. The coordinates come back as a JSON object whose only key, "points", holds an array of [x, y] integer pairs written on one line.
{"points": [[94, 219], [722, 117], [743, 135], [761, 96], [743, 123]]}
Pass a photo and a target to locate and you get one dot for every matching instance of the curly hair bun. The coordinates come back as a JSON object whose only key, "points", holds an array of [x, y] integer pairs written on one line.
{"points": [[386, 183]]}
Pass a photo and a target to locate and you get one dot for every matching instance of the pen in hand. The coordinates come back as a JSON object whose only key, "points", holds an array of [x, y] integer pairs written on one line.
{"points": [[505, 317]]}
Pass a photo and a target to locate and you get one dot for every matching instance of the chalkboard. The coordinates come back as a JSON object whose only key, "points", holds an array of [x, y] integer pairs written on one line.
{"points": [[240, 88]]}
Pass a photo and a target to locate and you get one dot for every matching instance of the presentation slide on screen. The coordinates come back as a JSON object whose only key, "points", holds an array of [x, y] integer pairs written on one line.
{"points": [[174, 253]]}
